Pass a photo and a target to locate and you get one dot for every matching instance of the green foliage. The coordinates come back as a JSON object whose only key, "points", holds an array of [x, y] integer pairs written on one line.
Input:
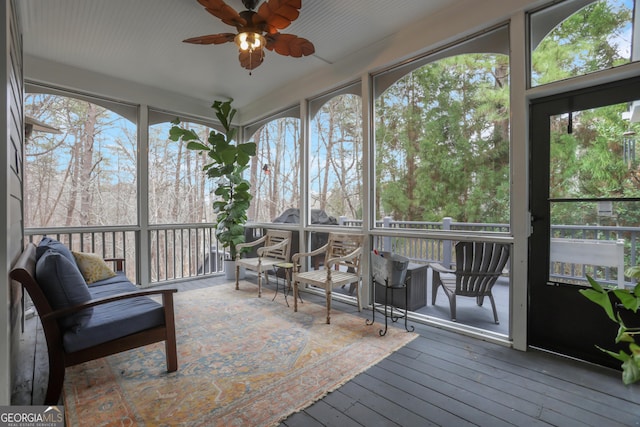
{"points": [[444, 130], [228, 161], [630, 300], [582, 44]]}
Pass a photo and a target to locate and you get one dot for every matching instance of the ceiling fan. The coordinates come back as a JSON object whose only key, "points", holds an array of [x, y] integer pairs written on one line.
{"points": [[257, 29]]}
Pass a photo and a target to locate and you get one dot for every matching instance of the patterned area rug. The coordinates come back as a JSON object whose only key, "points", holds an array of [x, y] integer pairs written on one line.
{"points": [[243, 361]]}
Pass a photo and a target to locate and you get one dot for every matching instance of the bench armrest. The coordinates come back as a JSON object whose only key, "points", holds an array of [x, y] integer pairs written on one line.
{"points": [[118, 263], [167, 295]]}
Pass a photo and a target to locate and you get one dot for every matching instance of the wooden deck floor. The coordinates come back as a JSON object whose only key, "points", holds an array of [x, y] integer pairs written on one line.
{"points": [[446, 379]]}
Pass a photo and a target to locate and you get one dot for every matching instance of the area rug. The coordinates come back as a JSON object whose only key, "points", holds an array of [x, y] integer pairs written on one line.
{"points": [[243, 361]]}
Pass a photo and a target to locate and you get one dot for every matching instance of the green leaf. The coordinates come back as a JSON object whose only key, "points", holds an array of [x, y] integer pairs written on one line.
{"points": [[248, 148], [197, 146], [628, 300], [602, 299], [216, 138], [175, 133], [623, 335], [621, 356], [231, 134], [228, 155], [630, 371], [595, 285]]}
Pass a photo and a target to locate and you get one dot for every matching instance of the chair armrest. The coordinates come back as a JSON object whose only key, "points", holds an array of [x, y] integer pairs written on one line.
{"points": [[166, 293], [250, 244], [350, 256], [320, 250], [264, 249], [118, 262], [440, 268]]}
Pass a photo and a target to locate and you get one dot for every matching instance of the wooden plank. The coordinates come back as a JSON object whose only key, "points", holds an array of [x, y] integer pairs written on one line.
{"points": [[563, 394], [411, 396], [329, 416], [380, 410], [301, 419]]}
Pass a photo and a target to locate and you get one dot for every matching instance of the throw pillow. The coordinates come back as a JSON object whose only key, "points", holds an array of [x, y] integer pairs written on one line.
{"points": [[63, 285], [92, 267], [48, 243]]}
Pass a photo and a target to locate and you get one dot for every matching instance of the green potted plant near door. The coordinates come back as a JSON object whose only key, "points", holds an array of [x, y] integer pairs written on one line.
{"points": [[227, 162], [612, 302]]}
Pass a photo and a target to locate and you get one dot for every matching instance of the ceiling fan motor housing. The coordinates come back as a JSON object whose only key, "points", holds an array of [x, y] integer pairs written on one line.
{"points": [[250, 4]]}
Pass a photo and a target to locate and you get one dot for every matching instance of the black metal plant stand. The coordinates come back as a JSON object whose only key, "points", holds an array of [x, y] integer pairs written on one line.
{"points": [[388, 310]]}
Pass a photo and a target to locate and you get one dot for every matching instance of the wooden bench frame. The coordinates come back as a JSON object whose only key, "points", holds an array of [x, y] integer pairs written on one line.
{"points": [[602, 253], [59, 359]]}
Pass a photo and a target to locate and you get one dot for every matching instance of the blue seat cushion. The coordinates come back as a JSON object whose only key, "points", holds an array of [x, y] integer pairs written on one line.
{"points": [[116, 319], [48, 243], [63, 285]]}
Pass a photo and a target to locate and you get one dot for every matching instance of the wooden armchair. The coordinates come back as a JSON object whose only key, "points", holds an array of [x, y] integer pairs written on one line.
{"points": [[478, 266], [343, 253], [101, 334], [276, 249]]}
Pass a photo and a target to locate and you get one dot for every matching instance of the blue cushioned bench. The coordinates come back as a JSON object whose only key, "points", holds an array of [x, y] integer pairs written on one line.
{"points": [[83, 322]]}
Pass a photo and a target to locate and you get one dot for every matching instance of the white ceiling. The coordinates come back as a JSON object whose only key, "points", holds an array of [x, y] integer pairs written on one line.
{"points": [[141, 41]]}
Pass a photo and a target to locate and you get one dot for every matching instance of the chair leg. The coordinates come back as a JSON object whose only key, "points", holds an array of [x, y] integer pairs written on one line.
{"points": [[435, 282], [170, 346], [259, 283], [295, 296], [452, 306], [328, 292], [358, 295], [237, 275], [495, 312], [56, 380]]}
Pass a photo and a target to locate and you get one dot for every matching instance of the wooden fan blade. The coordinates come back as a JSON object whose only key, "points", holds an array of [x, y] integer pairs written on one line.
{"points": [[223, 11], [251, 60], [212, 39], [289, 45], [278, 14]]}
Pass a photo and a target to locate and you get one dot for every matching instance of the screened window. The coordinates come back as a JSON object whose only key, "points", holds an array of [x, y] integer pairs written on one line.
{"points": [[578, 37], [85, 175], [179, 191], [442, 138], [275, 169], [335, 155]]}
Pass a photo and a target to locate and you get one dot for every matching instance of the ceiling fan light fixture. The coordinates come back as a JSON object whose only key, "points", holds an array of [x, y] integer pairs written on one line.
{"points": [[250, 41]]}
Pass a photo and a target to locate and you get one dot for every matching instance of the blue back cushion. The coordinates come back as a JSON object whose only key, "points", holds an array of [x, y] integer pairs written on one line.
{"points": [[48, 243], [63, 285]]}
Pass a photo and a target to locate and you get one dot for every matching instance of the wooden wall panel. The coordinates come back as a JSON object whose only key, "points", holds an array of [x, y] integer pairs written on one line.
{"points": [[11, 195]]}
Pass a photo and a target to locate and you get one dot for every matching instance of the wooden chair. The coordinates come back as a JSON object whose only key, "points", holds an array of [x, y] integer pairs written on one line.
{"points": [[59, 357], [343, 253], [276, 249], [478, 266]]}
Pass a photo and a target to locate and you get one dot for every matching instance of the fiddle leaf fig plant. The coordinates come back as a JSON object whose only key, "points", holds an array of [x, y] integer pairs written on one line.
{"points": [[227, 162], [630, 300]]}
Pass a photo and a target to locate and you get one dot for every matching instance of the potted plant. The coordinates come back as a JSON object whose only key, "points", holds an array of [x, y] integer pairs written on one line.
{"points": [[630, 300], [228, 161]]}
